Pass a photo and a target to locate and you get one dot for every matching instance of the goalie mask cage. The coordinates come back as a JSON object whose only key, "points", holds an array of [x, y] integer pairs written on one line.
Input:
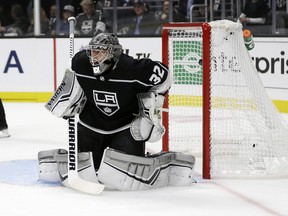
{"points": [[218, 107]]}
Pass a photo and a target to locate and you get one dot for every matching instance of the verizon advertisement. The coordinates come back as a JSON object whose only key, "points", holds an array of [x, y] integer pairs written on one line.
{"points": [[270, 57]]}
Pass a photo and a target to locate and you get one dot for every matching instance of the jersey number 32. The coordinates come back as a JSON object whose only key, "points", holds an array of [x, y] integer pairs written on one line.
{"points": [[157, 76]]}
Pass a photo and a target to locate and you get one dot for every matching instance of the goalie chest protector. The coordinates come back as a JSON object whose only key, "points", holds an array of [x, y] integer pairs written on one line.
{"points": [[112, 96]]}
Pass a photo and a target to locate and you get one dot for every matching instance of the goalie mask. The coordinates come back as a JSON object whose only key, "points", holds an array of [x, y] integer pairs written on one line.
{"points": [[104, 50]]}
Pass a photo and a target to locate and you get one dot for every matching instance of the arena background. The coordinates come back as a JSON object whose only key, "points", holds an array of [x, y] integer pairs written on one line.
{"points": [[32, 68]]}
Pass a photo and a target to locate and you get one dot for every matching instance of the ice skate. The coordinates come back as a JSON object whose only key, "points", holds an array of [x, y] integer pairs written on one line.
{"points": [[4, 133]]}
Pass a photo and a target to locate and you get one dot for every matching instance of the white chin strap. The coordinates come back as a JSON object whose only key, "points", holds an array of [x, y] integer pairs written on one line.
{"points": [[96, 70], [100, 67]]}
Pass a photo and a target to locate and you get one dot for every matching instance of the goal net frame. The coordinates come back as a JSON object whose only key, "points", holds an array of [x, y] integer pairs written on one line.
{"points": [[210, 63], [206, 29]]}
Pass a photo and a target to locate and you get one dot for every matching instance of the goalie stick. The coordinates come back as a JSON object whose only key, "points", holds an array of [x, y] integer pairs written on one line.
{"points": [[74, 179]]}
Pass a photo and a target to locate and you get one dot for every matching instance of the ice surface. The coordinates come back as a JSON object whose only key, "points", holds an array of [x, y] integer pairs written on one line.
{"points": [[34, 129]]}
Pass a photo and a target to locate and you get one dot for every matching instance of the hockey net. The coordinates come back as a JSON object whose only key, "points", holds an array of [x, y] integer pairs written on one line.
{"points": [[218, 107]]}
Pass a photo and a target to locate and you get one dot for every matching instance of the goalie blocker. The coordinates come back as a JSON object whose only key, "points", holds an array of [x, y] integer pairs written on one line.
{"points": [[119, 170]]}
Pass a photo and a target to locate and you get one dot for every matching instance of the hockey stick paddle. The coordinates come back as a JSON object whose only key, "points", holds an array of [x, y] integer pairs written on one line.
{"points": [[74, 179]]}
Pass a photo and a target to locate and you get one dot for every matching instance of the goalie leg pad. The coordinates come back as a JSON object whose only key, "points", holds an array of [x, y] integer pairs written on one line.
{"points": [[182, 175], [53, 166], [128, 173], [69, 98], [47, 165]]}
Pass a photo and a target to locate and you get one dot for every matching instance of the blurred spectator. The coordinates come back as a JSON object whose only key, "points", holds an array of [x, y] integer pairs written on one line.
{"points": [[281, 17], [52, 19], [217, 4], [177, 17], [106, 7], [5, 18], [199, 11], [184, 7], [91, 21], [123, 11], [44, 24], [164, 16], [254, 12], [20, 23], [189, 5], [3, 123], [143, 22], [109, 3], [68, 11], [121, 3]]}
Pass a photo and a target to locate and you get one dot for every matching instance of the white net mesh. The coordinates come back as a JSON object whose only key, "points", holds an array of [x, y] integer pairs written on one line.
{"points": [[248, 135]]}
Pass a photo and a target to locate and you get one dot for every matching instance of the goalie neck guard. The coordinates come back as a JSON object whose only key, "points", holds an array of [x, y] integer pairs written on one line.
{"points": [[104, 50]]}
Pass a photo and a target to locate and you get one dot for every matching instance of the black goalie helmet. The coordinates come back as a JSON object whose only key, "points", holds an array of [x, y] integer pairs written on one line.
{"points": [[104, 50]]}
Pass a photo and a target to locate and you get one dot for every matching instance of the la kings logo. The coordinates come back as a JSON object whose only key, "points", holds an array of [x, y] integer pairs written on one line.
{"points": [[106, 102], [87, 26]]}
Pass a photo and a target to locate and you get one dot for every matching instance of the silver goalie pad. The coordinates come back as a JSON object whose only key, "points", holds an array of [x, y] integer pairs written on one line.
{"points": [[53, 166], [147, 125], [129, 173], [69, 98]]}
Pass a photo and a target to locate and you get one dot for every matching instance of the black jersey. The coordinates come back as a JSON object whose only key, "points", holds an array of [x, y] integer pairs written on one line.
{"points": [[112, 101]]}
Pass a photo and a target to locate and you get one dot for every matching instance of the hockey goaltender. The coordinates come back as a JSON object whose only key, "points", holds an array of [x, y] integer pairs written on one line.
{"points": [[119, 101]]}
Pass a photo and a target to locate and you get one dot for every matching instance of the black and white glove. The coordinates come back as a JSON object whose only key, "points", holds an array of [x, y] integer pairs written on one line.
{"points": [[147, 126]]}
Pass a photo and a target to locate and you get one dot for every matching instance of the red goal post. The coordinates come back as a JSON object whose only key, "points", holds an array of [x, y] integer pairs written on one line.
{"points": [[218, 107], [206, 88]]}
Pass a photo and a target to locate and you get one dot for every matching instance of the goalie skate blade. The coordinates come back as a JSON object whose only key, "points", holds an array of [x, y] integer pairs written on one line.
{"points": [[86, 186]]}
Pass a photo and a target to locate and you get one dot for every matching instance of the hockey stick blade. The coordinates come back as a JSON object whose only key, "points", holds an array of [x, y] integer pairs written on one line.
{"points": [[85, 186]]}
